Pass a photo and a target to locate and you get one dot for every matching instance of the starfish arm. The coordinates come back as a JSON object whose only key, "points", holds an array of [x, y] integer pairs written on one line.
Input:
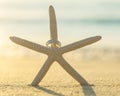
{"points": [[71, 71], [30, 45], [79, 44], [53, 24], [42, 71]]}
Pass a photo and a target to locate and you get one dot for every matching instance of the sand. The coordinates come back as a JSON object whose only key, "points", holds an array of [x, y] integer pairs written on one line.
{"points": [[16, 74]]}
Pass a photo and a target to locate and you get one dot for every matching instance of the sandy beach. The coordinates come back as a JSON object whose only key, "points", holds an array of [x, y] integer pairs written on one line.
{"points": [[18, 73]]}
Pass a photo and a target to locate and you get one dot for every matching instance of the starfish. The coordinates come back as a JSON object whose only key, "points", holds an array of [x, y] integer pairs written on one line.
{"points": [[55, 51]]}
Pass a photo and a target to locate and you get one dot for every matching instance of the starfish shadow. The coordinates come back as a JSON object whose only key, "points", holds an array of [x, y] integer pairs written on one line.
{"points": [[87, 88], [48, 91]]}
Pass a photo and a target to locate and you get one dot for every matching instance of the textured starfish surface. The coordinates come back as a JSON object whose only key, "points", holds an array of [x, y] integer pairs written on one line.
{"points": [[55, 51]]}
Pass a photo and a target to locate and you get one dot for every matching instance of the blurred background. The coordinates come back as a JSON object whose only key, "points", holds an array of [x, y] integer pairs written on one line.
{"points": [[76, 20]]}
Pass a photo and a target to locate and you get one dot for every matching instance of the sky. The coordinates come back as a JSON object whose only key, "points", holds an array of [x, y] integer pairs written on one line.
{"points": [[76, 20]]}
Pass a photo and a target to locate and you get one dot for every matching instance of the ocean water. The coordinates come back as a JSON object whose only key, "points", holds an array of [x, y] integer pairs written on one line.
{"points": [[76, 20]]}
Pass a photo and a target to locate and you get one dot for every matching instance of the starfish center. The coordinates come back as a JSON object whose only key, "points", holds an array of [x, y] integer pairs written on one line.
{"points": [[55, 53]]}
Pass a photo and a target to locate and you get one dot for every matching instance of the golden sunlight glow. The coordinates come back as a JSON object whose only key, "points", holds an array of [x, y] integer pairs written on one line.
{"points": [[2, 41]]}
